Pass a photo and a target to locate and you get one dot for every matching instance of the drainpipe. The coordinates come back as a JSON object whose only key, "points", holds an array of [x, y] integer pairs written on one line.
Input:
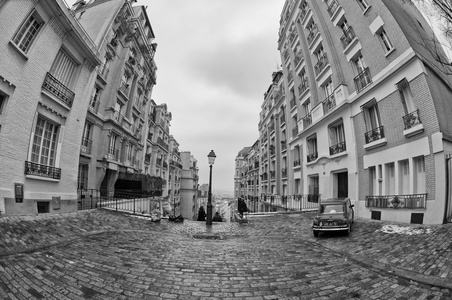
{"points": [[448, 157]]}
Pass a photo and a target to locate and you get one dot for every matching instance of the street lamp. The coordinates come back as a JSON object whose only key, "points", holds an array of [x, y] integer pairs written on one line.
{"points": [[211, 158]]}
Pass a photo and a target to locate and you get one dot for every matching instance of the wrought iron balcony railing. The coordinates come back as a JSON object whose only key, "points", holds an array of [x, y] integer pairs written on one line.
{"points": [[296, 163], [312, 156], [412, 201], [58, 89], [411, 119], [86, 146], [284, 173], [374, 134], [348, 37], [329, 103], [307, 121], [293, 102], [312, 34], [103, 71], [321, 64], [113, 153], [332, 7], [118, 117], [35, 169], [94, 105], [338, 148], [363, 79]]}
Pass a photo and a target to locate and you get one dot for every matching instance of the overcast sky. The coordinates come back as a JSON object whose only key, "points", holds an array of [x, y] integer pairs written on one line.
{"points": [[215, 59]]}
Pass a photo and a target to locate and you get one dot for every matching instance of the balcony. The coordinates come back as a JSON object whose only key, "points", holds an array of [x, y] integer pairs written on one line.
{"points": [[411, 119], [293, 103], [124, 88], [312, 156], [332, 7], [312, 34], [362, 80], [162, 144], [86, 146], [307, 121], [412, 201], [118, 117], [272, 150], [94, 105], [295, 132], [374, 135], [282, 119], [296, 163], [113, 154], [58, 89], [102, 71], [338, 148], [35, 169], [303, 86], [321, 64], [271, 128], [284, 173], [328, 104], [283, 145], [348, 37], [272, 175], [147, 159], [264, 176]]}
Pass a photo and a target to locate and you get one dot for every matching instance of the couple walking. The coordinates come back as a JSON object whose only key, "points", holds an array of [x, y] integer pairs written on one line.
{"points": [[202, 215]]}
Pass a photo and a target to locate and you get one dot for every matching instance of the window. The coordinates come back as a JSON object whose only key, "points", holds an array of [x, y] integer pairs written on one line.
{"points": [[311, 143], [313, 187], [404, 177], [82, 179], [372, 181], [28, 32], [372, 121], [129, 152], [44, 143], [390, 179], [419, 175], [307, 107], [362, 78], [112, 146], [94, 105], [384, 39], [363, 4], [2, 102], [63, 68], [87, 133], [337, 137]]}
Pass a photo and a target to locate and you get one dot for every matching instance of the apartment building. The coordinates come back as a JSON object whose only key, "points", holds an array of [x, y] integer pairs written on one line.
{"points": [[363, 106], [239, 176], [189, 185], [120, 113], [174, 176], [47, 60]]}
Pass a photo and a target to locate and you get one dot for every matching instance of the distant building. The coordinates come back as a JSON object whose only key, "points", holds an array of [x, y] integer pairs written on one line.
{"points": [[189, 185], [47, 60]]}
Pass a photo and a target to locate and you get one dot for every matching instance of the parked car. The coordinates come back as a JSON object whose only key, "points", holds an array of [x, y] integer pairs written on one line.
{"points": [[334, 215]]}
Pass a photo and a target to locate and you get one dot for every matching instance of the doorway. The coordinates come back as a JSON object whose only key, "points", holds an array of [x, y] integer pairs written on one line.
{"points": [[342, 185]]}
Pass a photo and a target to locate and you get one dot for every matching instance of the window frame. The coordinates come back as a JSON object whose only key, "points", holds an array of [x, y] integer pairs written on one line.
{"points": [[384, 40], [24, 30], [35, 154]]}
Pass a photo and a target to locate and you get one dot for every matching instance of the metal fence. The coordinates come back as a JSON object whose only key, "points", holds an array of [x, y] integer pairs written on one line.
{"points": [[119, 200], [274, 203]]}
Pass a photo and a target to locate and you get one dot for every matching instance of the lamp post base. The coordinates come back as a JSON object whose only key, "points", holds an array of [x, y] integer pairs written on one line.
{"points": [[209, 214]]}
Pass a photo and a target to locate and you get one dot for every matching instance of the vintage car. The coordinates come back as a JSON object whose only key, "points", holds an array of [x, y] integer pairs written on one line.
{"points": [[333, 215]]}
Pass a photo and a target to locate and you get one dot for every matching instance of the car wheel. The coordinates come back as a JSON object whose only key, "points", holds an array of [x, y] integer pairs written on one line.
{"points": [[316, 233], [347, 232]]}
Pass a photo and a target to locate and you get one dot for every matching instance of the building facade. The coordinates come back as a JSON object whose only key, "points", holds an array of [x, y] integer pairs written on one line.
{"points": [[189, 186], [121, 115], [47, 62], [359, 110]]}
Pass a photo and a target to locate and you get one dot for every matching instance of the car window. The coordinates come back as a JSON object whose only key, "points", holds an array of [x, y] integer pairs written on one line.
{"points": [[332, 208]]}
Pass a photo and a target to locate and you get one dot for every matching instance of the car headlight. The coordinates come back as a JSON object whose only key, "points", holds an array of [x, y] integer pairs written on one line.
{"points": [[316, 222]]}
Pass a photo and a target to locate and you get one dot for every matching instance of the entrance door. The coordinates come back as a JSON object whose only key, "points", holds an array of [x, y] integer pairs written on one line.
{"points": [[342, 185]]}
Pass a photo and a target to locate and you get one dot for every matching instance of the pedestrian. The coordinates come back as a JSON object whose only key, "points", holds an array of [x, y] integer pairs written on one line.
{"points": [[241, 207], [201, 214], [217, 217]]}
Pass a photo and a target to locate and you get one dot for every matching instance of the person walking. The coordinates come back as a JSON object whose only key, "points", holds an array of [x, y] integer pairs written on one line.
{"points": [[241, 207], [201, 214]]}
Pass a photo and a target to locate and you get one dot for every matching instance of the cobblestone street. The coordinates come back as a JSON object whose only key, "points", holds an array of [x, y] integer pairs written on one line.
{"points": [[105, 255]]}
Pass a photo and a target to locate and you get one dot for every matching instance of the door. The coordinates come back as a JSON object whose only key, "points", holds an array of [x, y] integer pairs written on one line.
{"points": [[342, 185]]}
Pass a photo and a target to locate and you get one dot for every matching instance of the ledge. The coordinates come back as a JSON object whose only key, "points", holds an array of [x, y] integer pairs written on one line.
{"points": [[414, 130], [375, 144]]}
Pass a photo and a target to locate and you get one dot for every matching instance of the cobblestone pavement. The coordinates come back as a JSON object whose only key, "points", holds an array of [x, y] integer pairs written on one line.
{"points": [[105, 255]]}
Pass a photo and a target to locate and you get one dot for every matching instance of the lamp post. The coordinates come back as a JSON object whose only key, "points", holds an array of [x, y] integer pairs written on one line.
{"points": [[211, 158]]}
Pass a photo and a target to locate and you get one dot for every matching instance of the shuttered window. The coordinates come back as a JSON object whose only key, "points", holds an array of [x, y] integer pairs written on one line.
{"points": [[63, 68]]}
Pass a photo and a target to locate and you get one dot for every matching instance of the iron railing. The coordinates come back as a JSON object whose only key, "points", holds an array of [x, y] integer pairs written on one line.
{"points": [[363, 79], [312, 156], [58, 89], [411, 119], [32, 168], [338, 148], [274, 203], [136, 202], [347, 37], [412, 201], [329, 103], [321, 64], [374, 134], [86, 146]]}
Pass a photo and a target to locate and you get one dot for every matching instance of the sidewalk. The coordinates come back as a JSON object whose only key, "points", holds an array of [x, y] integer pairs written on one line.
{"points": [[415, 252]]}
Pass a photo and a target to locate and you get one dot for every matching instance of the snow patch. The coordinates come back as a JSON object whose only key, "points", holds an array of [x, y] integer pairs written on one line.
{"points": [[404, 230]]}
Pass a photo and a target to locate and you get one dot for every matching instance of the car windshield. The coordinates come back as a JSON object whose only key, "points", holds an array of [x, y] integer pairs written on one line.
{"points": [[331, 208]]}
